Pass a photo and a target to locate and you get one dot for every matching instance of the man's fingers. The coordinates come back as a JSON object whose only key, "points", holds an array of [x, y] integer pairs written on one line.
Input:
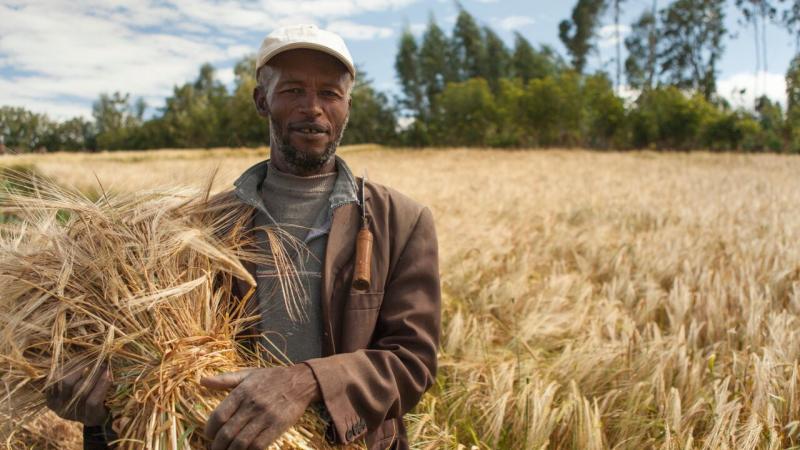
{"points": [[95, 411], [221, 415], [249, 433], [60, 395], [88, 379], [66, 386], [72, 376], [78, 391], [225, 381], [103, 382], [230, 430], [267, 437]]}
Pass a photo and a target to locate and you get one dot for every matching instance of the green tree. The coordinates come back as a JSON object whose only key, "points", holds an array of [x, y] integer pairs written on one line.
{"points": [[540, 112], [116, 120], [76, 134], [605, 112], [435, 63], [790, 18], [407, 68], [528, 63], [114, 112], [467, 114], [666, 118], [793, 103], [692, 44], [578, 33], [469, 47], [23, 130], [642, 46], [793, 85], [551, 111], [572, 111], [372, 119], [511, 130], [498, 59], [722, 130], [196, 115], [246, 126], [772, 123]]}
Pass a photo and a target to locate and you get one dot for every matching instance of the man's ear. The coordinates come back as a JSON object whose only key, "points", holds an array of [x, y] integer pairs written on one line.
{"points": [[260, 99]]}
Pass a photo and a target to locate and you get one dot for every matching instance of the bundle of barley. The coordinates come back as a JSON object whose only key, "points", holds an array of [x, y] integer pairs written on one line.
{"points": [[46, 431], [141, 281]]}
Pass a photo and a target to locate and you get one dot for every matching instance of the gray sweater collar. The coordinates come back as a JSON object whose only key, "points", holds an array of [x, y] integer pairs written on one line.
{"points": [[247, 186]]}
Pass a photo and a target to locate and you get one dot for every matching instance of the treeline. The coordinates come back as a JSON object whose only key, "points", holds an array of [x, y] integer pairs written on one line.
{"points": [[200, 114], [468, 88]]}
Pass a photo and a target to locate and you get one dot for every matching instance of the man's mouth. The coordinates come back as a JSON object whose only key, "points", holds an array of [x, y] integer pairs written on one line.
{"points": [[310, 129]]}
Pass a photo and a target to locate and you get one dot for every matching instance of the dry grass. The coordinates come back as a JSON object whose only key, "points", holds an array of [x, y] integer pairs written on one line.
{"points": [[45, 432], [601, 300]]}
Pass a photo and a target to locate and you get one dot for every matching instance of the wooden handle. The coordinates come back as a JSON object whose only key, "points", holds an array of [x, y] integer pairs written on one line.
{"points": [[363, 259]]}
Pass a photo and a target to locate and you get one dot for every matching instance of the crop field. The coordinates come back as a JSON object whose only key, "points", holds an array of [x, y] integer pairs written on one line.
{"points": [[592, 300]]}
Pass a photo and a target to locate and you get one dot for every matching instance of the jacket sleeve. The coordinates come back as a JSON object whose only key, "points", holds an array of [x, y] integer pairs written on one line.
{"points": [[363, 388]]}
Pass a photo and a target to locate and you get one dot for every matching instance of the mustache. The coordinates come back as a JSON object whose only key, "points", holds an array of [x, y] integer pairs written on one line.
{"points": [[295, 126]]}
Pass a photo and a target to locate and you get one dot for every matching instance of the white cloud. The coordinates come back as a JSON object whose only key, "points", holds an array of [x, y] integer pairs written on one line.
{"points": [[737, 89], [511, 23], [65, 53], [356, 31], [238, 51], [741, 89], [225, 75], [607, 36], [328, 9], [82, 55]]}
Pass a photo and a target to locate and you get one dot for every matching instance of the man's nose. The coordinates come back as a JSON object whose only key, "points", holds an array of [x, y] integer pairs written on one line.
{"points": [[311, 104]]}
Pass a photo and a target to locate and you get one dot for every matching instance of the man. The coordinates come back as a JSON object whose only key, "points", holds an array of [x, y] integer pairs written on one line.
{"points": [[363, 357]]}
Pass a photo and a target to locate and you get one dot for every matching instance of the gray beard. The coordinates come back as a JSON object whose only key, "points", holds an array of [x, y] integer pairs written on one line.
{"points": [[301, 162]]}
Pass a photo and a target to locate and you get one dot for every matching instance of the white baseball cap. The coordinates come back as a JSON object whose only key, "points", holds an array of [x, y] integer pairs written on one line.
{"points": [[304, 36]]}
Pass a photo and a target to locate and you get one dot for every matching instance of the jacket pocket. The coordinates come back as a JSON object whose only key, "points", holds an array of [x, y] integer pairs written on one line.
{"points": [[358, 300], [359, 317]]}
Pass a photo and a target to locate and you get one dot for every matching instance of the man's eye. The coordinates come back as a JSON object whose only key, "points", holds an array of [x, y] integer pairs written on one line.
{"points": [[330, 94], [294, 91]]}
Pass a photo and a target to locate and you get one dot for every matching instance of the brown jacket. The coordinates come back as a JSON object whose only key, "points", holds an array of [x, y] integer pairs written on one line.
{"points": [[379, 346]]}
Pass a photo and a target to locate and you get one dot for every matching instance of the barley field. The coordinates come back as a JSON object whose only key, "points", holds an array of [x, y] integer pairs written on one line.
{"points": [[591, 300]]}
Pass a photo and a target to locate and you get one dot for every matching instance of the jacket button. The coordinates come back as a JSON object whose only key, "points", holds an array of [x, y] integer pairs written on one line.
{"points": [[349, 434]]}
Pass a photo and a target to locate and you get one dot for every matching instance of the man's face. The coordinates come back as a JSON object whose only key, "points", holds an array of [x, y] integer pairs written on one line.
{"points": [[308, 107]]}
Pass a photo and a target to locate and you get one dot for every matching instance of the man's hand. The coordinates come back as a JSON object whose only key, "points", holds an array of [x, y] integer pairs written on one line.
{"points": [[263, 403], [80, 397]]}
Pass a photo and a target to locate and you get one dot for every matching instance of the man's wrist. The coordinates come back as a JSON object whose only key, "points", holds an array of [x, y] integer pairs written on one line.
{"points": [[306, 383]]}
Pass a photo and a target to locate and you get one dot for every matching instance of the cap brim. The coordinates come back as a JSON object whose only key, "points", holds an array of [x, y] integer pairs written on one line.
{"points": [[311, 46]]}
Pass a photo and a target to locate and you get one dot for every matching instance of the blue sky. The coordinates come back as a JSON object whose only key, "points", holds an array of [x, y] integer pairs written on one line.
{"points": [[57, 56]]}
